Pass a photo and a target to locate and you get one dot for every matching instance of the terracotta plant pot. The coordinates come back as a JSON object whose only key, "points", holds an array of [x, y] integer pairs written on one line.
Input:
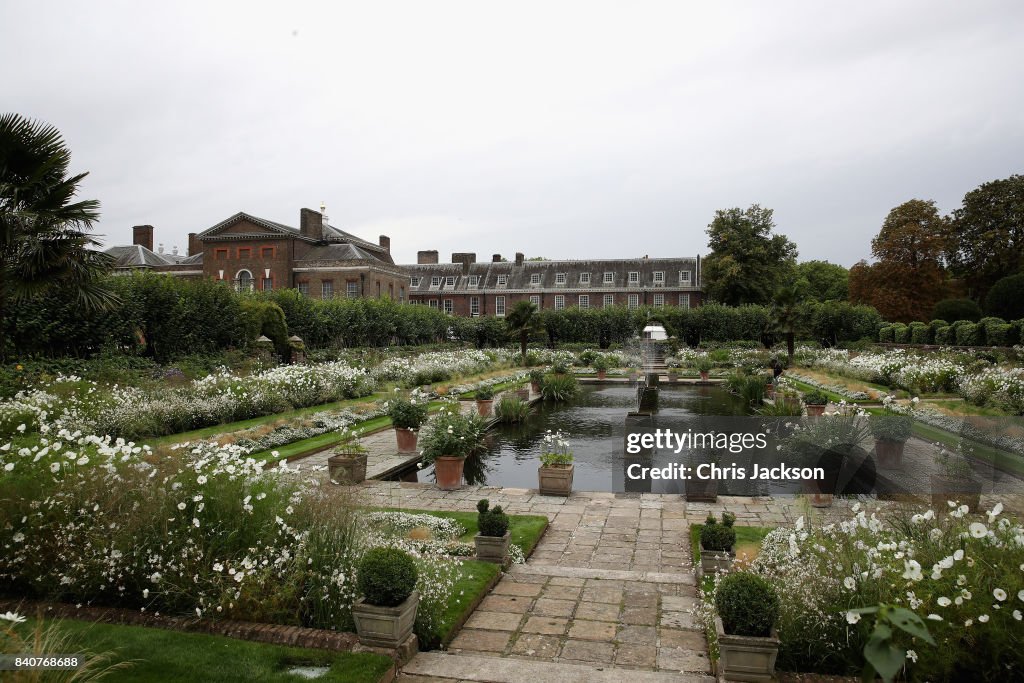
{"points": [[815, 410], [483, 406], [673, 376], [602, 374], [535, 387], [406, 439], [714, 561], [555, 481], [523, 394], [492, 548], [889, 454], [448, 471], [385, 626], [746, 658], [705, 376], [347, 468], [769, 390]]}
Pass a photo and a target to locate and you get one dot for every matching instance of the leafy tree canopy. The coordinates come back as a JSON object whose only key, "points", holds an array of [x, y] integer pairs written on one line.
{"points": [[747, 263], [822, 281], [1006, 298]]}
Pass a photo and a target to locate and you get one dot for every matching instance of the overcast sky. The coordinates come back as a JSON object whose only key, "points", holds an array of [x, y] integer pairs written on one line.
{"points": [[565, 130]]}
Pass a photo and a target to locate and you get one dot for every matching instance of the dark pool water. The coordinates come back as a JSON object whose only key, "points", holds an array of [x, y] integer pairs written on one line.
{"points": [[594, 424]]}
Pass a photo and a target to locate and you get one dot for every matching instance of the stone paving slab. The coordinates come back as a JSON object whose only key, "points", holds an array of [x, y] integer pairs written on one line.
{"points": [[514, 670]]}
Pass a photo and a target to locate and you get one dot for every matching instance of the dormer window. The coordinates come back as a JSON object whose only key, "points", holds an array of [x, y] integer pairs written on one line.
{"points": [[502, 280], [609, 278], [584, 278], [634, 277], [414, 282], [535, 278], [559, 278], [474, 281], [659, 278], [449, 282], [684, 277], [435, 281]]}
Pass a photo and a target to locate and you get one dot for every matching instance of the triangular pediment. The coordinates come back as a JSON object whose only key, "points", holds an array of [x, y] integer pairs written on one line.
{"points": [[245, 225]]}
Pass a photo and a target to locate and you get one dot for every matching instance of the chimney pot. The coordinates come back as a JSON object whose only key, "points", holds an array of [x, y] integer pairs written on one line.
{"points": [[426, 257], [385, 242], [142, 235], [174, 250], [161, 249], [519, 258]]}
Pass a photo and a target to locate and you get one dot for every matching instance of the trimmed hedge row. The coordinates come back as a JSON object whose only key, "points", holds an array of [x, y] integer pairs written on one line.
{"points": [[986, 332]]}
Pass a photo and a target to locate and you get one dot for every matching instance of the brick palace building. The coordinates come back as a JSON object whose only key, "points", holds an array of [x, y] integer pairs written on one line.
{"points": [[323, 261]]}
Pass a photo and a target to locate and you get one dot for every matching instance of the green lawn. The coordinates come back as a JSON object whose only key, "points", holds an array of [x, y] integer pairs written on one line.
{"points": [[172, 656], [748, 538], [526, 529]]}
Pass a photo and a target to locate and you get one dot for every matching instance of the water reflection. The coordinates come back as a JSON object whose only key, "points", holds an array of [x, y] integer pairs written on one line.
{"points": [[594, 423]]}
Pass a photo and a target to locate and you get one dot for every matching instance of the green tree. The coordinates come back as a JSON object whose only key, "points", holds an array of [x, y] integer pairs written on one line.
{"points": [[523, 322], [986, 240], [823, 281], [747, 263], [43, 233], [787, 316]]}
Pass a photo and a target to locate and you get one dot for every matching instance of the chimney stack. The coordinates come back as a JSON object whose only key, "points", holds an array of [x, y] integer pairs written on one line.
{"points": [[519, 258], [426, 257], [496, 258], [143, 236], [194, 245], [385, 242], [311, 224]]}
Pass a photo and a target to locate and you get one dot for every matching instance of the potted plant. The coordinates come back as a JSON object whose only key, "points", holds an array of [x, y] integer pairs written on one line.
{"points": [[815, 400], [407, 416], [554, 476], [446, 440], [347, 462], [601, 365], [704, 365], [634, 374], [716, 544], [891, 430], [748, 643], [492, 539], [536, 376], [484, 400], [955, 480], [829, 443], [386, 612]]}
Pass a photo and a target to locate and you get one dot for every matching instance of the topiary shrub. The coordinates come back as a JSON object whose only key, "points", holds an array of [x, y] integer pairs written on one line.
{"points": [[969, 334], [957, 309], [1006, 298], [491, 522], [747, 604], [886, 334], [718, 537], [934, 327], [945, 335], [901, 333], [998, 334], [386, 577], [920, 333]]}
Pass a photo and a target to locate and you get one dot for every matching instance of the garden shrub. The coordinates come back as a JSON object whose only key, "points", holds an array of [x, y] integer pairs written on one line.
{"points": [[969, 334], [387, 576], [919, 333], [1006, 298], [747, 604], [998, 334], [901, 333], [957, 309], [887, 334], [558, 387], [718, 537], [491, 521], [934, 325], [945, 336], [406, 414]]}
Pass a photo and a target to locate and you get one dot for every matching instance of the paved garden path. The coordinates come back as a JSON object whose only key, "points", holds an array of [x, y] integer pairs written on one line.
{"points": [[606, 593]]}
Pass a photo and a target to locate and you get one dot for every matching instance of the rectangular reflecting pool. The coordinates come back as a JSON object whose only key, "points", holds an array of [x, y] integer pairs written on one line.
{"points": [[594, 424]]}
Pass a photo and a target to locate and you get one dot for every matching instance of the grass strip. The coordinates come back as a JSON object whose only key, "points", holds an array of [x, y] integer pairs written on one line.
{"points": [[166, 656], [501, 386]]}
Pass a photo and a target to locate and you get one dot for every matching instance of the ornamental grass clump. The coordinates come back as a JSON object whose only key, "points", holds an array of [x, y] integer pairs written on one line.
{"points": [[558, 387], [491, 521], [747, 604], [512, 409], [387, 576], [718, 537]]}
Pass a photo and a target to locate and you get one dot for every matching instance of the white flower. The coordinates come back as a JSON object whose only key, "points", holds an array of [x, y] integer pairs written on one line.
{"points": [[850, 583], [145, 593], [201, 479], [852, 617], [9, 467], [978, 530], [1016, 614], [912, 656], [959, 554], [944, 601], [1020, 595], [181, 506], [55, 467], [934, 617], [983, 618], [912, 570], [13, 616], [999, 594], [994, 512]]}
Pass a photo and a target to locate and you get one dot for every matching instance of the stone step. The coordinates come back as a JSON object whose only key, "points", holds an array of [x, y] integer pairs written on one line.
{"points": [[440, 666], [540, 569]]}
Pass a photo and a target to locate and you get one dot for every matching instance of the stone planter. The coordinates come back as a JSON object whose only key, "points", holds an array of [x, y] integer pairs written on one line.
{"points": [[483, 406], [815, 410], [889, 454], [448, 471], [673, 376], [714, 561], [385, 626], [555, 481], [965, 491], [746, 658], [700, 490], [535, 387], [634, 377], [406, 439], [523, 394], [492, 548], [347, 468], [705, 376]]}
